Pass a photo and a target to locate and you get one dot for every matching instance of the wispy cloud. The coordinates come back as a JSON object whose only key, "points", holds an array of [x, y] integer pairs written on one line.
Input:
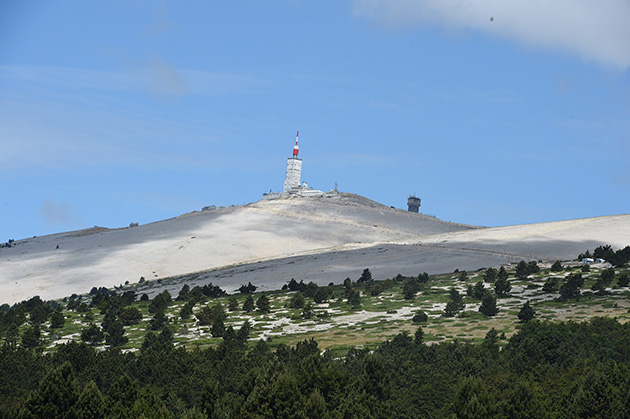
{"points": [[165, 79], [64, 118], [162, 22], [59, 214], [70, 77], [593, 29], [157, 77]]}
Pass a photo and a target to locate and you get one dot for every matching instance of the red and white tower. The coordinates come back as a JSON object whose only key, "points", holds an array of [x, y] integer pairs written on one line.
{"points": [[296, 147], [294, 168]]}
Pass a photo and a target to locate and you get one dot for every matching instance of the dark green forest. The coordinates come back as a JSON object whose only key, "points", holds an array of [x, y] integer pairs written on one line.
{"points": [[545, 370]]}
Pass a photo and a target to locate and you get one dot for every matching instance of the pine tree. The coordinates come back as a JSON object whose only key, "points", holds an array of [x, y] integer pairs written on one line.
{"points": [[109, 319], [158, 321], [116, 335], [56, 396], [218, 328], [233, 303], [420, 317], [129, 316], [39, 313], [149, 405], [478, 291], [490, 275], [160, 302], [451, 309], [315, 406], [57, 320], [489, 305], [92, 335], [122, 395], [12, 335], [595, 398], [263, 304], [31, 337], [527, 313], [297, 300], [247, 289], [607, 276], [550, 285], [311, 289], [533, 268], [354, 298], [347, 286], [418, 336], [187, 310], [243, 332], [502, 287], [321, 295], [472, 400], [522, 270], [308, 311], [409, 290], [184, 293], [248, 304], [457, 298], [91, 403], [571, 288], [366, 276]]}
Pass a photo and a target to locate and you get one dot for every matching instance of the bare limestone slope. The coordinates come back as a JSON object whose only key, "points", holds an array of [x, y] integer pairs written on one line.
{"points": [[269, 242], [434, 253], [61, 264]]}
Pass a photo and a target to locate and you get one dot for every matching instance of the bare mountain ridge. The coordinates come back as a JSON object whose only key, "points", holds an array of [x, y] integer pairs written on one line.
{"points": [[61, 264], [435, 253], [270, 242]]}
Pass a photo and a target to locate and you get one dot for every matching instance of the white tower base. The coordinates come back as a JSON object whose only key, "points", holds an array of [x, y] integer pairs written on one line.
{"points": [[294, 174]]}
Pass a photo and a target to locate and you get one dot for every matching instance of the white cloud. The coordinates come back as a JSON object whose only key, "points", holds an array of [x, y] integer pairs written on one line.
{"points": [[596, 30]]}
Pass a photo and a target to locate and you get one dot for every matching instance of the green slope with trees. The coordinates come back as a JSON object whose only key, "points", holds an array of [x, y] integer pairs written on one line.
{"points": [[517, 341]]}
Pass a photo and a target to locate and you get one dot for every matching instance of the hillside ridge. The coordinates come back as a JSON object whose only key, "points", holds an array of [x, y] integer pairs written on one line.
{"points": [[271, 241], [60, 264]]}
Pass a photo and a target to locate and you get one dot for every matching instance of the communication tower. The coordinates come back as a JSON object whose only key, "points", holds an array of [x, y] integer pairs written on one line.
{"points": [[294, 168]]}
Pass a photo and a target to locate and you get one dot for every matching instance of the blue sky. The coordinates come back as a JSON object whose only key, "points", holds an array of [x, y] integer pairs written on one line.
{"points": [[135, 111]]}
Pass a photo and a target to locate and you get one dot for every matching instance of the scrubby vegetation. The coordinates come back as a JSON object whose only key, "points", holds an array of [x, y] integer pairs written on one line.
{"points": [[469, 344]]}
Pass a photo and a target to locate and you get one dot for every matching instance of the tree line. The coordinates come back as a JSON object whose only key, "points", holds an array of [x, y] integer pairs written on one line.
{"points": [[546, 370]]}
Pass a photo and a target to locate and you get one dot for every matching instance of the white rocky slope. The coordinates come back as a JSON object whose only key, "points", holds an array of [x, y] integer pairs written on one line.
{"points": [[61, 264], [434, 253], [269, 242]]}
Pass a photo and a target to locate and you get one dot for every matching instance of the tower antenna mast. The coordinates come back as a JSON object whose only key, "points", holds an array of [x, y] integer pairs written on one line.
{"points": [[296, 147]]}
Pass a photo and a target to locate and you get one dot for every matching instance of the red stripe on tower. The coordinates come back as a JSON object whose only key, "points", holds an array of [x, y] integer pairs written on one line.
{"points": [[296, 148]]}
